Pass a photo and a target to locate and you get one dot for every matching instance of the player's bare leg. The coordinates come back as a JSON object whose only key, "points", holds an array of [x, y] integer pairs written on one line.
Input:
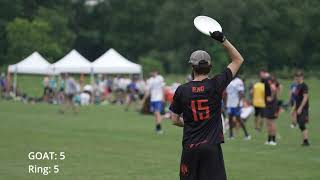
{"points": [[69, 106], [293, 119], [242, 125], [274, 130], [158, 119], [261, 123], [271, 129], [256, 122], [305, 136], [74, 108], [231, 126], [128, 103]]}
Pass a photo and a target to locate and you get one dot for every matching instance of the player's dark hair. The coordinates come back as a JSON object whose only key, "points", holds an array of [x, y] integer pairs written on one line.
{"points": [[298, 74], [192, 75], [203, 68]]}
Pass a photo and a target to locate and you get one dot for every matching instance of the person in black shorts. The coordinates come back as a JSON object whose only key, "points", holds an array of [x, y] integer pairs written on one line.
{"points": [[302, 106], [259, 101], [259, 112], [196, 107], [272, 109]]}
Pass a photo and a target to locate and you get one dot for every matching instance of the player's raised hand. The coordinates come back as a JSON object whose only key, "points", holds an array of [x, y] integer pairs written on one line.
{"points": [[217, 35]]}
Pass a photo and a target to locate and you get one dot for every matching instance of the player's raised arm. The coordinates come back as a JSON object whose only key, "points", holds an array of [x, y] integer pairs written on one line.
{"points": [[235, 56]]}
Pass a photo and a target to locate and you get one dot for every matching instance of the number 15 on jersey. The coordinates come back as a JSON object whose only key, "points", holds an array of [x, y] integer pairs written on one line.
{"points": [[200, 110]]}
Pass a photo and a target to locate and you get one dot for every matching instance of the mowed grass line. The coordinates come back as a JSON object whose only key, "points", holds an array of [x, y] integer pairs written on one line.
{"points": [[105, 142]]}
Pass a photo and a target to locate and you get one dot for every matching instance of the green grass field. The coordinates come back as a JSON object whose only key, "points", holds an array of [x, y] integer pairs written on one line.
{"points": [[105, 142]]}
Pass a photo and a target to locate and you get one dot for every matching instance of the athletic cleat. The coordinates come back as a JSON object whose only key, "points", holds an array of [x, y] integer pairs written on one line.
{"points": [[231, 138], [293, 126], [272, 143], [304, 144], [247, 138], [267, 143], [159, 132]]}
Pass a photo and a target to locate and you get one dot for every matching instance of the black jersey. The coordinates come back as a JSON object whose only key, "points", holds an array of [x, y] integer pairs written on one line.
{"points": [[199, 102], [300, 90]]}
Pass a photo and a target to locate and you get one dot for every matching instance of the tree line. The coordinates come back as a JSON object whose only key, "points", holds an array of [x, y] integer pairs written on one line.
{"points": [[273, 35]]}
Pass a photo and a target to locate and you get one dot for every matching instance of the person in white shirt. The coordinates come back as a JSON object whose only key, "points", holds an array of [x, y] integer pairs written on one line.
{"points": [[235, 93], [119, 87], [155, 88], [85, 96]]}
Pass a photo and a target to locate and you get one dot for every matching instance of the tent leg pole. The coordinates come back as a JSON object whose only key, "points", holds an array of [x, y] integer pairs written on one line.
{"points": [[15, 84], [141, 75]]}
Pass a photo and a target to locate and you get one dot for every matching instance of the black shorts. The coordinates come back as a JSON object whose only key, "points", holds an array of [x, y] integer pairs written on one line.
{"points": [[270, 113], [258, 111], [303, 118], [70, 97], [204, 162], [46, 91], [271, 110]]}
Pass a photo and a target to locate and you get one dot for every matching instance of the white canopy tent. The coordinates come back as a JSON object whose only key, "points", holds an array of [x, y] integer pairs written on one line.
{"points": [[33, 64], [112, 62], [73, 62]]}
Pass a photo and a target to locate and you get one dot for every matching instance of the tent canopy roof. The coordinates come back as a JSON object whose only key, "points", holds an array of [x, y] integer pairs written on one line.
{"points": [[33, 64], [73, 62], [113, 62]]}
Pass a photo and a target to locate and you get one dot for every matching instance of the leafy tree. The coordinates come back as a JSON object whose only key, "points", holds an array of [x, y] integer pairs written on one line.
{"points": [[277, 35], [59, 29], [150, 64], [25, 37], [9, 9]]}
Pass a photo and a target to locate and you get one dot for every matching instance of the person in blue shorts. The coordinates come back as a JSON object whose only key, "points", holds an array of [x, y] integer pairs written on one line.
{"points": [[155, 89], [235, 93]]}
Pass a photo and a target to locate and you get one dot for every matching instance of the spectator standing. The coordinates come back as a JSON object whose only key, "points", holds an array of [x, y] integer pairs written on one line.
{"points": [[46, 88]]}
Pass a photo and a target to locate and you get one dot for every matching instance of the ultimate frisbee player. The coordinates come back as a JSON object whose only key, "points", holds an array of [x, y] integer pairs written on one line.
{"points": [[271, 113], [155, 88], [259, 102], [235, 94], [196, 107], [302, 106]]}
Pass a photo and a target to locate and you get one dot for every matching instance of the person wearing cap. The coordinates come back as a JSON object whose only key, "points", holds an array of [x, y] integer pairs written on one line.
{"points": [[196, 107]]}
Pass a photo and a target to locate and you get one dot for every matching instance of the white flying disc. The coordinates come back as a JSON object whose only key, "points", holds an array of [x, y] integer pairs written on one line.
{"points": [[206, 24]]}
